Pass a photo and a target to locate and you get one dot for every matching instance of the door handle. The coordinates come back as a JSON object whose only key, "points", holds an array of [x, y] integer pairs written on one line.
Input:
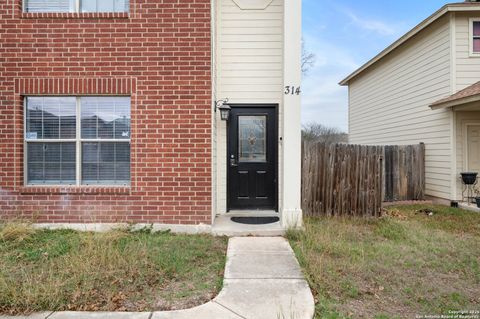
{"points": [[233, 162]]}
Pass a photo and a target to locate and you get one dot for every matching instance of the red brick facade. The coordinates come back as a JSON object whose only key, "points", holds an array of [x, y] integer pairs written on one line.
{"points": [[160, 55]]}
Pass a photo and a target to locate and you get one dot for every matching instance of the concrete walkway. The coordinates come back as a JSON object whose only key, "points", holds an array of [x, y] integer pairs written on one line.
{"points": [[262, 280]]}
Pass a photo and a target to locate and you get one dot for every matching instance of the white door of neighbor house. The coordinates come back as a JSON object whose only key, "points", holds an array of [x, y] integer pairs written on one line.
{"points": [[473, 145]]}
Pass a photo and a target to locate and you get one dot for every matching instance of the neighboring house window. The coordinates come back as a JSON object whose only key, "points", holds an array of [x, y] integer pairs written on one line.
{"points": [[77, 140], [76, 5], [476, 36]]}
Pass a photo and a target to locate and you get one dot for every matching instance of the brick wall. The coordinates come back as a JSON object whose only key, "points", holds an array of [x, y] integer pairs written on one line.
{"points": [[159, 54]]}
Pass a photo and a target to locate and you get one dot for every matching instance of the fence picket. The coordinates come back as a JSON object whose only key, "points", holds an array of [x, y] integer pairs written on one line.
{"points": [[341, 179]]}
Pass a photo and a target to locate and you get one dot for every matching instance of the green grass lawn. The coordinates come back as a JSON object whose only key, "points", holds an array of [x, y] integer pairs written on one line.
{"points": [[400, 265], [114, 271]]}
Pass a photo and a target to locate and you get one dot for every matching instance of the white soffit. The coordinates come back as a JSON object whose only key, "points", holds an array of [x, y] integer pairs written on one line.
{"points": [[253, 4]]}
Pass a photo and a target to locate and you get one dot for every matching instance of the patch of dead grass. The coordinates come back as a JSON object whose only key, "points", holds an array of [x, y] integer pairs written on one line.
{"points": [[113, 271], [16, 231], [403, 264]]}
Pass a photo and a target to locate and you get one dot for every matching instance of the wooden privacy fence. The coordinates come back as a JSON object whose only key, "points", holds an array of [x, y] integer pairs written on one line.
{"points": [[343, 179], [404, 172]]}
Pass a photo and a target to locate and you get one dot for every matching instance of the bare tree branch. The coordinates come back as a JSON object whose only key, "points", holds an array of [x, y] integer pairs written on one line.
{"points": [[308, 59], [315, 132]]}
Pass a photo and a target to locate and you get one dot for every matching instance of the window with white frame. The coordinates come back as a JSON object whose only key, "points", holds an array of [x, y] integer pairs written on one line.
{"points": [[475, 36], [76, 5], [77, 140]]}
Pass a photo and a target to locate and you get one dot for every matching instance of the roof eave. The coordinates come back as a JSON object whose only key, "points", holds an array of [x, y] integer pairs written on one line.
{"points": [[462, 101], [424, 24]]}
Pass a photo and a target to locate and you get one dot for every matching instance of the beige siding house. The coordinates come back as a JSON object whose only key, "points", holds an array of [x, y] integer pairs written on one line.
{"points": [[423, 88]]}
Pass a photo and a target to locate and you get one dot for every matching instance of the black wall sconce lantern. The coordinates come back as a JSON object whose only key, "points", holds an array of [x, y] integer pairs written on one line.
{"points": [[224, 109]]}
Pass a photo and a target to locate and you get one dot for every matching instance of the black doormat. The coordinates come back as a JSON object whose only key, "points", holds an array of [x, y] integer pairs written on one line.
{"points": [[255, 220]]}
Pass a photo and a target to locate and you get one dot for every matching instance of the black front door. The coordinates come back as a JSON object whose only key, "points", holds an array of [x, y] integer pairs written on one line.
{"points": [[252, 158]]}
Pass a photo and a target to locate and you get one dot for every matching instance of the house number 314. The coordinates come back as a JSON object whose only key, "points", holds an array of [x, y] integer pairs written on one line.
{"points": [[292, 90]]}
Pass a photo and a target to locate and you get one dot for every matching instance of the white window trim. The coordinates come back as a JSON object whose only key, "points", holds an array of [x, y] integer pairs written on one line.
{"points": [[77, 8], [470, 38], [78, 148]]}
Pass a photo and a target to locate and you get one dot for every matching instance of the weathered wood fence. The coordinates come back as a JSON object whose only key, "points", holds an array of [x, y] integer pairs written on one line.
{"points": [[343, 179], [404, 172]]}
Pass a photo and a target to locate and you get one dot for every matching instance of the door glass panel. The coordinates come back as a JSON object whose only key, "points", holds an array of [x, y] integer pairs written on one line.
{"points": [[252, 138]]}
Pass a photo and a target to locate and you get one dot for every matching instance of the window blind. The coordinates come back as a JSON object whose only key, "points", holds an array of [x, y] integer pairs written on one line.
{"points": [[49, 5], [105, 163], [71, 5], [104, 5], [51, 118], [51, 163], [103, 142], [105, 117]]}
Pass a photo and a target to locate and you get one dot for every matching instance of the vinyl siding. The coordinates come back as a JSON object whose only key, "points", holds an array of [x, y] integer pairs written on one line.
{"points": [[249, 69], [250, 53], [389, 102], [468, 67]]}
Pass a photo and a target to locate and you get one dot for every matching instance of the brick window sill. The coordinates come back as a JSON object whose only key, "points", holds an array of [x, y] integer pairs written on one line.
{"points": [[76, 190], [75, 15]]}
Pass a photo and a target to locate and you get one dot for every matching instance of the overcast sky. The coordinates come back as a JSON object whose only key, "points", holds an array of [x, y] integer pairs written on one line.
{"points": [[344, 35]]}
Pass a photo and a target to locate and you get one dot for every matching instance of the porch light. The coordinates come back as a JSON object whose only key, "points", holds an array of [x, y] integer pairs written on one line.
{"points": [[224, 109]]}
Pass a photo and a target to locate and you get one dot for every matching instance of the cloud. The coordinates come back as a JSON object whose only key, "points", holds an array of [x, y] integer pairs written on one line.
{"points": [[376, 26], [342, 40]]}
